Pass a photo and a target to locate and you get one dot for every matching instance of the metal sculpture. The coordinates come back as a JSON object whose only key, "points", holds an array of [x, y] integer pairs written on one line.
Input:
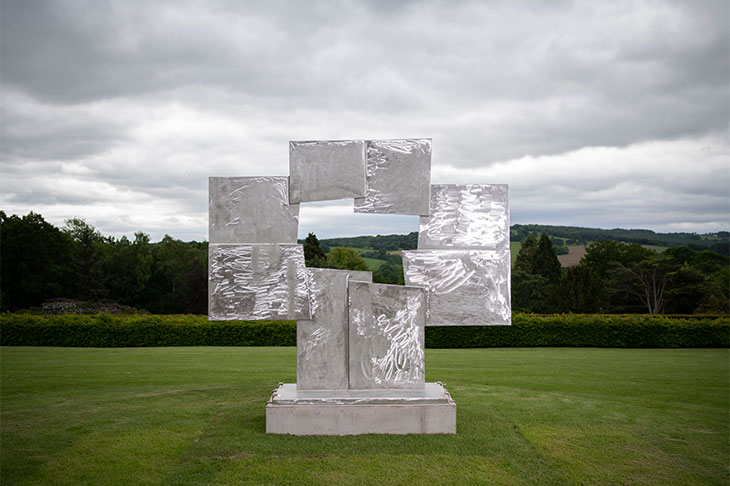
{"points": [[360, 345]]}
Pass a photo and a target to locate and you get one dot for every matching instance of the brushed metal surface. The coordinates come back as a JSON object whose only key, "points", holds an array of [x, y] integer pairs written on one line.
{"points": [[386, 336], [397, 178], [266, 281], [326, 170], [251, 210], [464, 287], [468, 216], [322, 340]]}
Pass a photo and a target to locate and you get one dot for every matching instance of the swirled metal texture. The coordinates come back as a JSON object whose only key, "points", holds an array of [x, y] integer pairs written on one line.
{"points": [[464, 287], [466, 216], [386, 336], [322, 340], [324, 170], [397, 178], [257, 282], [251, 210]]}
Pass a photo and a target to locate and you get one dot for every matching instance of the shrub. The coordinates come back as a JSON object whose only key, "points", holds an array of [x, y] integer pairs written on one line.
{"points": [[575, 330]]}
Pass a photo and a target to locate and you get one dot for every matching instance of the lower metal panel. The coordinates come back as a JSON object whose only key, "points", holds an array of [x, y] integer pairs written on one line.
{"points": [[386, 336], [322, 341]]}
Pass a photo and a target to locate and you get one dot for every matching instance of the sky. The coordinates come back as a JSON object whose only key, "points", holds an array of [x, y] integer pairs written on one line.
{"points": [[599, 114]]}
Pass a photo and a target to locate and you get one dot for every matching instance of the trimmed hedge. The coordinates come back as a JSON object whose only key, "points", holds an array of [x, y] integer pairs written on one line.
{"points": [[119, 331], [577, 330], [571, 330]]}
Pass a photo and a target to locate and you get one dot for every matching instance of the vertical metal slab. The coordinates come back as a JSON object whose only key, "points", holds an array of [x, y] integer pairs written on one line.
{"points": [[257, 282], [325, 170], [386, 336], [322, 340], [251, 210], [464, 216], [465, 287], [398, 177]]}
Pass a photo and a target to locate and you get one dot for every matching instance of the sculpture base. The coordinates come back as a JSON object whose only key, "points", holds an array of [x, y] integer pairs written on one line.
{"points": [[351, 412]]}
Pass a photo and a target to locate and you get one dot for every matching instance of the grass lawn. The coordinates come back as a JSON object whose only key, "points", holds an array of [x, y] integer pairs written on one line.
{"points": [[373, 263], [539, 416]]}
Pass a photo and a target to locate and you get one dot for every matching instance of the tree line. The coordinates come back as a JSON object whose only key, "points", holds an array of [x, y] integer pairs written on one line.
{"points": [[616, 277], [40, 262], [575, 235]]}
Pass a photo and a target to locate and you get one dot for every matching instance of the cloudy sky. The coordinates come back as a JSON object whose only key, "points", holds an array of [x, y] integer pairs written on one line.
{"points": [[601, 114]]}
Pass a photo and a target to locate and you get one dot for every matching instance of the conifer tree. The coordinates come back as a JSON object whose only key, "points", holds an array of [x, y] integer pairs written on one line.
{"points": [[544, 261], [526, 254]]}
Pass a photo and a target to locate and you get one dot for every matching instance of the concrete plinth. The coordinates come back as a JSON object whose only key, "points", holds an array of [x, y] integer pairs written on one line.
{"points": [[351, 412]]}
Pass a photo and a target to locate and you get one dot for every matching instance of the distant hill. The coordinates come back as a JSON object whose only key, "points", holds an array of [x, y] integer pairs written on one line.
{"points": [[575, 235], [571, 235]]}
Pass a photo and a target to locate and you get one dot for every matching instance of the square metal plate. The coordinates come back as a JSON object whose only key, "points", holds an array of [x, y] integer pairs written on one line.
{"points": [[325, 170], [466, 216], [257, 282], [251, 210], [386, 336], [465, 287], [398, 177]]}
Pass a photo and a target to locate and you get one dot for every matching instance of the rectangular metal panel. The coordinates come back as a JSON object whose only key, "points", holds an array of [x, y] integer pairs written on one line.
{"points": [[251, 210], [465, 287], [257, 282], [398, 177], [386, 336], [466, 216], [322, 341], [325, 170]]}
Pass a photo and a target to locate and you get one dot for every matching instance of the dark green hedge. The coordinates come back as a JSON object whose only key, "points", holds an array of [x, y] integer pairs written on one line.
{"points": [[106, 331], [603, 331], [103, 330]]}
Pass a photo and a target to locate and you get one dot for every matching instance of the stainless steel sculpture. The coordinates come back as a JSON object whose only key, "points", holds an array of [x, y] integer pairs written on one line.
{"points": [[257, 282], [321, 171], [251, 210], [464, 286], [322, 361], [397, 178], [360, 346], [466, 216], [386, 336]]}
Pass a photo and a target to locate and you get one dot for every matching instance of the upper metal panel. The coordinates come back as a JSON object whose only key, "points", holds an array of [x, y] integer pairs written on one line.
{"points": [[257, 282], [322, 341], [466, 216], [325, 170], [465, 287], [251, 210], [386, 336], [398, 177]]}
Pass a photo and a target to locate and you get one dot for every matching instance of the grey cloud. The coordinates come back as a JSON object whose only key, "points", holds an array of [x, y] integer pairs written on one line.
{"points": [[85, 84]]}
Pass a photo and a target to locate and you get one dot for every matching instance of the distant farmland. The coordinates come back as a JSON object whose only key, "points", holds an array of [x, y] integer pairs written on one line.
{"points": [[575, 253]]}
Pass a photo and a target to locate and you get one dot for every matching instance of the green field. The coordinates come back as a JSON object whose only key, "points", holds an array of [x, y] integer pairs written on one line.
{"points": [[538, 416]]}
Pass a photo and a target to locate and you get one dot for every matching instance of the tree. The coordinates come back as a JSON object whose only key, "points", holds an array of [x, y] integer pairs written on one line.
{"points": [[529, 292], [35, 261], [313, 254], [88, 256], [580, 290], [128, 268], [525, 255], [346, 259], [647, 281], [544, 260], [389, 273]]}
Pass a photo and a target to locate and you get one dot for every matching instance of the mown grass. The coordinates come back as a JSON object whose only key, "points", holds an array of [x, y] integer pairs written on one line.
{"points": [[539, 416]]}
